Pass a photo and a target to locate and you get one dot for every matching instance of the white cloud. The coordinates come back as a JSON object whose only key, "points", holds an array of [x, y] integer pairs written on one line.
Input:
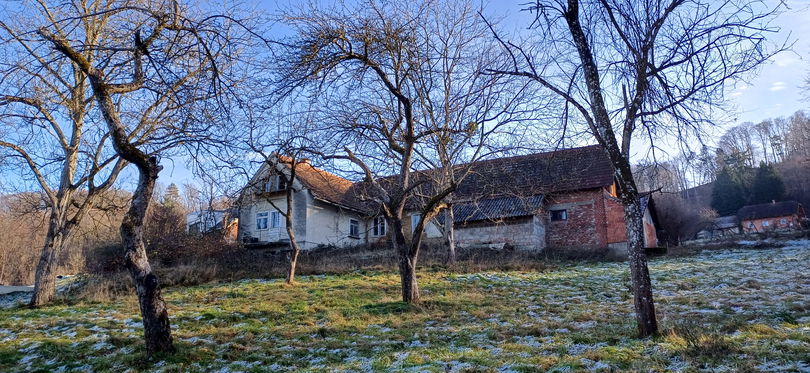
{"points": [[777, 86]]}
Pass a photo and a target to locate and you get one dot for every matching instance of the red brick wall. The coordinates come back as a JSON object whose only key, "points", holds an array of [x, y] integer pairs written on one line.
{"points": [[595, 220], [585, 226]]}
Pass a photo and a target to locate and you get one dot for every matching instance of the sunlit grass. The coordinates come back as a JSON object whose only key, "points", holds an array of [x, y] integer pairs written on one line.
{"points": [[726, 310]]}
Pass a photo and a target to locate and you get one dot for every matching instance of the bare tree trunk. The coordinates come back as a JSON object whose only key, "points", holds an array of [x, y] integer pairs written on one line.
{"points": [[639, 272], [296, 250], [45, 280], [293, 262], [407, 262], [157, 330], [449, 234]]}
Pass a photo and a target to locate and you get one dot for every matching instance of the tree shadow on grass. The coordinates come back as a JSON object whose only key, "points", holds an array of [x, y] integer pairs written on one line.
{"points": [[388, 308]]}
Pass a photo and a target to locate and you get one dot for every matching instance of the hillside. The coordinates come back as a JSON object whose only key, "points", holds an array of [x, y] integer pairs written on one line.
{"points": [[727, 310]]}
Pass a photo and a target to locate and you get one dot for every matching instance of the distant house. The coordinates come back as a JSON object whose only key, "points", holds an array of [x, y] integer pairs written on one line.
{"points": [[327, 211], [205, 221], [774, 216], [564, 199], [720, 227]]}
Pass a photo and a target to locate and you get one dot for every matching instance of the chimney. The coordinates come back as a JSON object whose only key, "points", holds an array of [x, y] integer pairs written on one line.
{"points": [[304, 160], [773, 201]]}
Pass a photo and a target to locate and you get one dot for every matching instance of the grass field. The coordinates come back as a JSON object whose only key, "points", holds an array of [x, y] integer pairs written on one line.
{"points": [[730, 310]]}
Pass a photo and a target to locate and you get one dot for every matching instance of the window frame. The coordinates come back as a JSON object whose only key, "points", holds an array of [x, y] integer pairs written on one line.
{"points": [[262, 216], [379, 226], [275, 219], [558, 215], [281, 183], [354, 228]]}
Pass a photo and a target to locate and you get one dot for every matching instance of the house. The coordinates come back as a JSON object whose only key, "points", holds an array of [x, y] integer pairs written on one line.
{"points": [[205, 221], [326, 209], [719, 227], [563, 199], [774, 216]]}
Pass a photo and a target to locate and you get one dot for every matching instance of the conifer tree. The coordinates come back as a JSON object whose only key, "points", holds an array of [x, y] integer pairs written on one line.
{"points": [[727, 194], [767, 185]]}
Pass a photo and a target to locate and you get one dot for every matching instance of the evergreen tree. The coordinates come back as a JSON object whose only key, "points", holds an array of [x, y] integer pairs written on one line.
{"points": [[767, 185], [727, 194], [172, 196]]}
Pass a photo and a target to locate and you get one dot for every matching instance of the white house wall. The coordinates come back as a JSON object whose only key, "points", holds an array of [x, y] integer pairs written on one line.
{"points": [[329, 225]]}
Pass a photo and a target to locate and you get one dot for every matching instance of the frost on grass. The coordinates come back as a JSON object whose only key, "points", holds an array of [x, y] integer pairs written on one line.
{"points": [[726, 310]]}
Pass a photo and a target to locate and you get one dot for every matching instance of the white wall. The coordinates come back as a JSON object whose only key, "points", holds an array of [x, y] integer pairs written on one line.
{"points": [[329, 225]]}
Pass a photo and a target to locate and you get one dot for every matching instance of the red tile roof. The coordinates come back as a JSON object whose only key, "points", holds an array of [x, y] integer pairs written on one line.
{"points": [[325, 185]]}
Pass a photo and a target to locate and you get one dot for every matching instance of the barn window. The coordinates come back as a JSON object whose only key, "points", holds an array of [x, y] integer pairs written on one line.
{"points": [[783, 221], [379, 226], [354, 228], [559, 215], [766, 223]]}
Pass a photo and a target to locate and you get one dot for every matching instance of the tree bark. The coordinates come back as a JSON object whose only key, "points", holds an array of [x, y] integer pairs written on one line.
{"points": [[407, 262], [449, 234], [157, 330], [296, 250], [45, 280], [639, 272]]}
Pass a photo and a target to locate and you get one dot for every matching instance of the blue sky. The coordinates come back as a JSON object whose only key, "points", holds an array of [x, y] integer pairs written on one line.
{"points": [[776, 90]]}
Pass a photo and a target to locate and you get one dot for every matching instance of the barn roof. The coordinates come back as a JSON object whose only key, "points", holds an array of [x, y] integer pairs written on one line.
{"points": [[768, 210], [494, 209], [540, 173]]}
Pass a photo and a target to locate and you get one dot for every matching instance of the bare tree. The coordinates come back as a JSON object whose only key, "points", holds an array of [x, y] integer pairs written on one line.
{"points": [[628, 69], [402, 88], [285, 159], [47, 114], [157, 71]]}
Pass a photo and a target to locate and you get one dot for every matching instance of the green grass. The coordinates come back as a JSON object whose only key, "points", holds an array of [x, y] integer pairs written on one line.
{"points": [[724, 310]]}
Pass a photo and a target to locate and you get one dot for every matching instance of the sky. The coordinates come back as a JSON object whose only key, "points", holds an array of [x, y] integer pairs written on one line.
{"points": [[776, 89]]}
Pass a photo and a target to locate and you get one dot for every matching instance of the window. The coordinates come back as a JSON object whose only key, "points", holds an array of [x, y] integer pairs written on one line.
{"points": [[766, 223], [415, 221], [354, 228], [261, 220], [783, 221], [274, 184], [281, 183], [379, 226], [275, 219], [559, 215]]}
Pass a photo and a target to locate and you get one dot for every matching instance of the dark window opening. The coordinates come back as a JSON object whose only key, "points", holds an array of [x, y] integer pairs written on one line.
{"points": [[559, 215]]}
